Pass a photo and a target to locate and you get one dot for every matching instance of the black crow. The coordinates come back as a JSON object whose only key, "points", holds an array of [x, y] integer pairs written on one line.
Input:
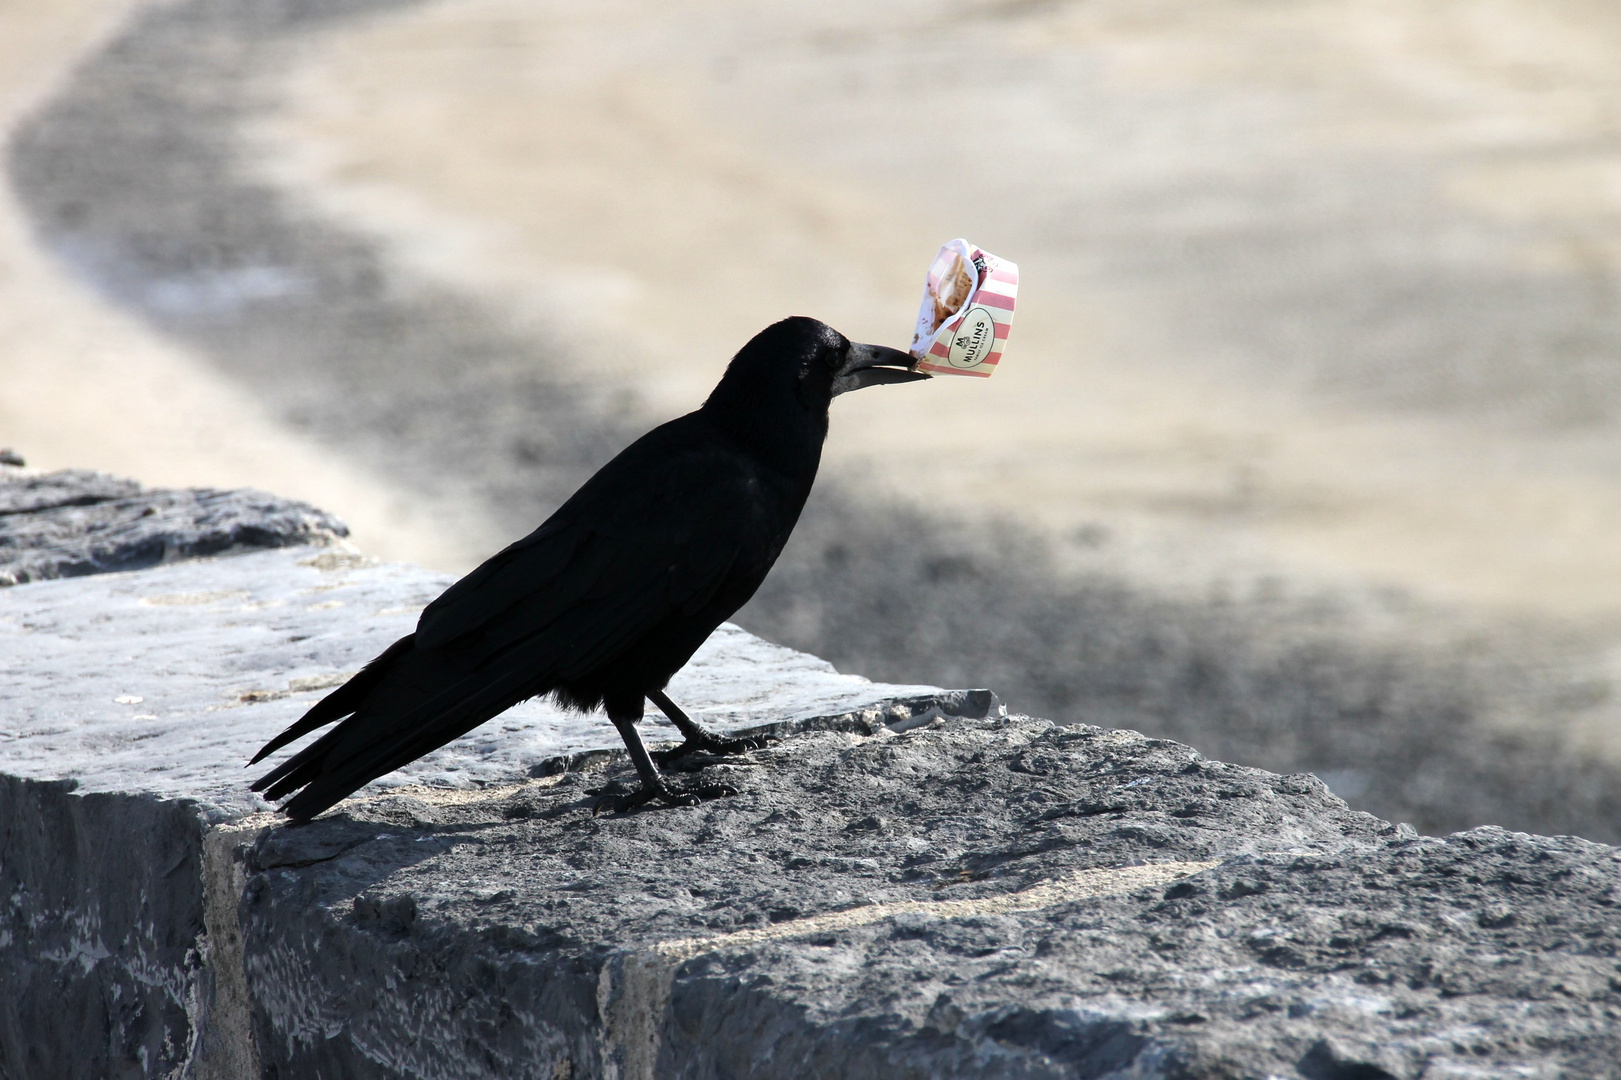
{"points": [[607, 600]]}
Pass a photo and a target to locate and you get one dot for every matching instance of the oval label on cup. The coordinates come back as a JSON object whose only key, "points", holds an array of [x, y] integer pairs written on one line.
{"points": [[971, 341]]}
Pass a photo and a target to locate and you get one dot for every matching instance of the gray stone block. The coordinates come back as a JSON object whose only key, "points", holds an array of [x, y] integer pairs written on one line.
{"points": [[911, 884], [130, 704], [995, 897], [77, 522], [164, 682]]}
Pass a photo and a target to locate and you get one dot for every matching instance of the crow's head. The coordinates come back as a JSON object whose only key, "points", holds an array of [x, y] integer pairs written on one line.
{"points": [[813, 362], [775, 393]]}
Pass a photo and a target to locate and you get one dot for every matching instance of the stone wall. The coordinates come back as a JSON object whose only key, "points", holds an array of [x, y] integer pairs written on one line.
{"points": [[911, 883]]}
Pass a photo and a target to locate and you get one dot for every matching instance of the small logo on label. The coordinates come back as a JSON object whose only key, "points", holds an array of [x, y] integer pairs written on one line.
{"points": [[971, 341]]}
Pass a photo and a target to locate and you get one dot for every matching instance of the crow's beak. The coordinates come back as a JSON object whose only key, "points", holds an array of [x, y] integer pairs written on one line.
{"points": [[870, 365]]}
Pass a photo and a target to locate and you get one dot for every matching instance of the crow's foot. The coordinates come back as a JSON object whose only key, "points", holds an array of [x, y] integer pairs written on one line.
{"points": [[705, 743], [661, 791]]}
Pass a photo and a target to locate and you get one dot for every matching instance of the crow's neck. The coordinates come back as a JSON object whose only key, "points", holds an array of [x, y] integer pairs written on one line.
{"points": [[786, 441]]}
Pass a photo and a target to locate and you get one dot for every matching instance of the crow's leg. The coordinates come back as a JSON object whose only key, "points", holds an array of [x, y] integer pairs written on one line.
{"points": [[694, 736], [654, 786]]}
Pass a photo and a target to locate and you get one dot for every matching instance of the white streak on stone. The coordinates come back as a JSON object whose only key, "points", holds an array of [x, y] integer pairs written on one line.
{"points": [[1081, 885]]}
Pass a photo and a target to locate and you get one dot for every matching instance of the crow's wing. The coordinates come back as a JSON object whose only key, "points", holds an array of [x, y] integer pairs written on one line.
{"points": [[653, 534]]}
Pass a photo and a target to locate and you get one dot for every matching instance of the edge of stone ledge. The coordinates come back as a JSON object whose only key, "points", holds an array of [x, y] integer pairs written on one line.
{"points": [[895, 715], [68, 523]]}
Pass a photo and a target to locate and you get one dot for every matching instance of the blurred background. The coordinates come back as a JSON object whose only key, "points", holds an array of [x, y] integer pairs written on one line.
{"points": [[1304, 452]]}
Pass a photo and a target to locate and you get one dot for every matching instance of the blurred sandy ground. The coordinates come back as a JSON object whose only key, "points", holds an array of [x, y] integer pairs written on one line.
{"points": [[85, 386], [648, 182], [1297, 276]]}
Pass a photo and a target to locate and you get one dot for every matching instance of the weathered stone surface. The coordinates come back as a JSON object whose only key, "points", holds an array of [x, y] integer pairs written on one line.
{"points": [[165, 681], [909, 884], [996, 897], [76, 522], [103, 962]]}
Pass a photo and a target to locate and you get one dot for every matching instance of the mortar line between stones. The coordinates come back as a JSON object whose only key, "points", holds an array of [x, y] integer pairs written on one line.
{"points": [[226, 1048]]}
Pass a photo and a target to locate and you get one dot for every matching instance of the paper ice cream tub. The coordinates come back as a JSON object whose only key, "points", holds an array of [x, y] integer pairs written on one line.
{"points": [[966, 313]]}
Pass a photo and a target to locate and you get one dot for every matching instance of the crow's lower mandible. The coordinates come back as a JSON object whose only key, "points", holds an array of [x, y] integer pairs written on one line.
{"points": [[607, 600]]}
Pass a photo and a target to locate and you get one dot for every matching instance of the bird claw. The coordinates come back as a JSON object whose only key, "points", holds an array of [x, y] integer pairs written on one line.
{"points": [[665, 792], [711, 744]]}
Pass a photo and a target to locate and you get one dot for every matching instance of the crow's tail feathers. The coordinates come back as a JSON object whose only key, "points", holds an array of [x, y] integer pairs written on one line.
{"points": [[342, 701], [410, 706]]}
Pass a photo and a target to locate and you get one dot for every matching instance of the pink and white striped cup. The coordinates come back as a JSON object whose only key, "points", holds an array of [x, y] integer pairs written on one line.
{"points": [[966, 313]]}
